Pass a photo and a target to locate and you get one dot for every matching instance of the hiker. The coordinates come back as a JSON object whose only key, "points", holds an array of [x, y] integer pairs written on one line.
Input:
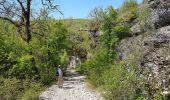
{"points": [[59, 75]]}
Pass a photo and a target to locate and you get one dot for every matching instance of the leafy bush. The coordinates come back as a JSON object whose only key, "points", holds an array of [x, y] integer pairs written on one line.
{"points": [[128, 11], [31, 91], [118, 83], [143, 11], [95, 66], [14, 89], [121, 31], [112, 76], [10, 88], [24, 67], [104, 69]]}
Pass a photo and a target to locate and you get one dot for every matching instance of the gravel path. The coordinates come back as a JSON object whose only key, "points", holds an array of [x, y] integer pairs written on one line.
{"points": [[74, 89]]}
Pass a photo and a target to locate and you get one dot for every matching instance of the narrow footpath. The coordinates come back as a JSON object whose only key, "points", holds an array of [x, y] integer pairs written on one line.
{"points": [[74, 89]]}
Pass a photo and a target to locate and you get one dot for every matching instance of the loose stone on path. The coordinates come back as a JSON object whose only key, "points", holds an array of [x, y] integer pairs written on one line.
{"points": [[74, 89]]}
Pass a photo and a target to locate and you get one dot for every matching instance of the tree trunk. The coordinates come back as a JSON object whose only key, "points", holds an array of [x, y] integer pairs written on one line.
{"points": [[27, 26]]}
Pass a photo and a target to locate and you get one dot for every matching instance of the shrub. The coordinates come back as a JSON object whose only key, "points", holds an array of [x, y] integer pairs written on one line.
{"points": [[31, 91], [121, 31], [24, 68], [10, 89], [118, 83], [143, 10], [128, 11], [95, 66], [14, 89]]}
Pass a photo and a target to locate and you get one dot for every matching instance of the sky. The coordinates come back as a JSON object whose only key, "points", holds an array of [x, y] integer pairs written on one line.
{"points": [[81, 8]]}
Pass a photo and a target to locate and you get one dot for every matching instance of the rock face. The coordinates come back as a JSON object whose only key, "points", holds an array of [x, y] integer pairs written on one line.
{"points": [[159, 17], [149, 48], [157, 60], [160, 13], [136, 29], [161, 37]]}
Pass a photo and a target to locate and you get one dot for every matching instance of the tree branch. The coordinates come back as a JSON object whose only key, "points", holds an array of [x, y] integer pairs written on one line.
{"points": [[23, 9], [51, 6], [9, 20]]}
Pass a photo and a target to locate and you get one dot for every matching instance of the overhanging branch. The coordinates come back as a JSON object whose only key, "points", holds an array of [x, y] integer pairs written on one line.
{"points": [[23, 9], [51, 6], [9, 20]]}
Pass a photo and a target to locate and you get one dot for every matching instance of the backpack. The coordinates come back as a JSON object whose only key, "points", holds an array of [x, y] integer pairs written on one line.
{"points": [[56, 72]]}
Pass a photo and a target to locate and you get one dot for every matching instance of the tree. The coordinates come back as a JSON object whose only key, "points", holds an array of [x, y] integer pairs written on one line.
{"points": [[128, 12], [18, 12], [96, 16]]}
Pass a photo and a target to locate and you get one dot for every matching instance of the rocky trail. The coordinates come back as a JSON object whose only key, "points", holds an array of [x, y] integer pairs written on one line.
{"points": [[74, 89]]}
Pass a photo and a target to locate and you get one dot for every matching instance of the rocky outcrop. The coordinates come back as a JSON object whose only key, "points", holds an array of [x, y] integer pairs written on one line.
{"points": [[160, 13], [149, 47], [161, 37], [136, 29], [157, 59], [155, 4], [159, 17]]}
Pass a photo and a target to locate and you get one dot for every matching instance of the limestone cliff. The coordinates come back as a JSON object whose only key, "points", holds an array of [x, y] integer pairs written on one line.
{"points": [[149, 47]]}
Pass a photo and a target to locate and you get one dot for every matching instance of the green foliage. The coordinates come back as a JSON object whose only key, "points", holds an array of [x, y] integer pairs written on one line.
{"points": [[10, 88], [143, 11], [95, 66], [25, 67], [121, 31], [118, 83], [109, 39], [29, 60], [96, 15], [14, 89], [73, 25], [109, 17], [108, 20], [104, 69], [35, 61], [109, 26], [31, 91], [109, 74], [79, 39], [128, 11]]}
